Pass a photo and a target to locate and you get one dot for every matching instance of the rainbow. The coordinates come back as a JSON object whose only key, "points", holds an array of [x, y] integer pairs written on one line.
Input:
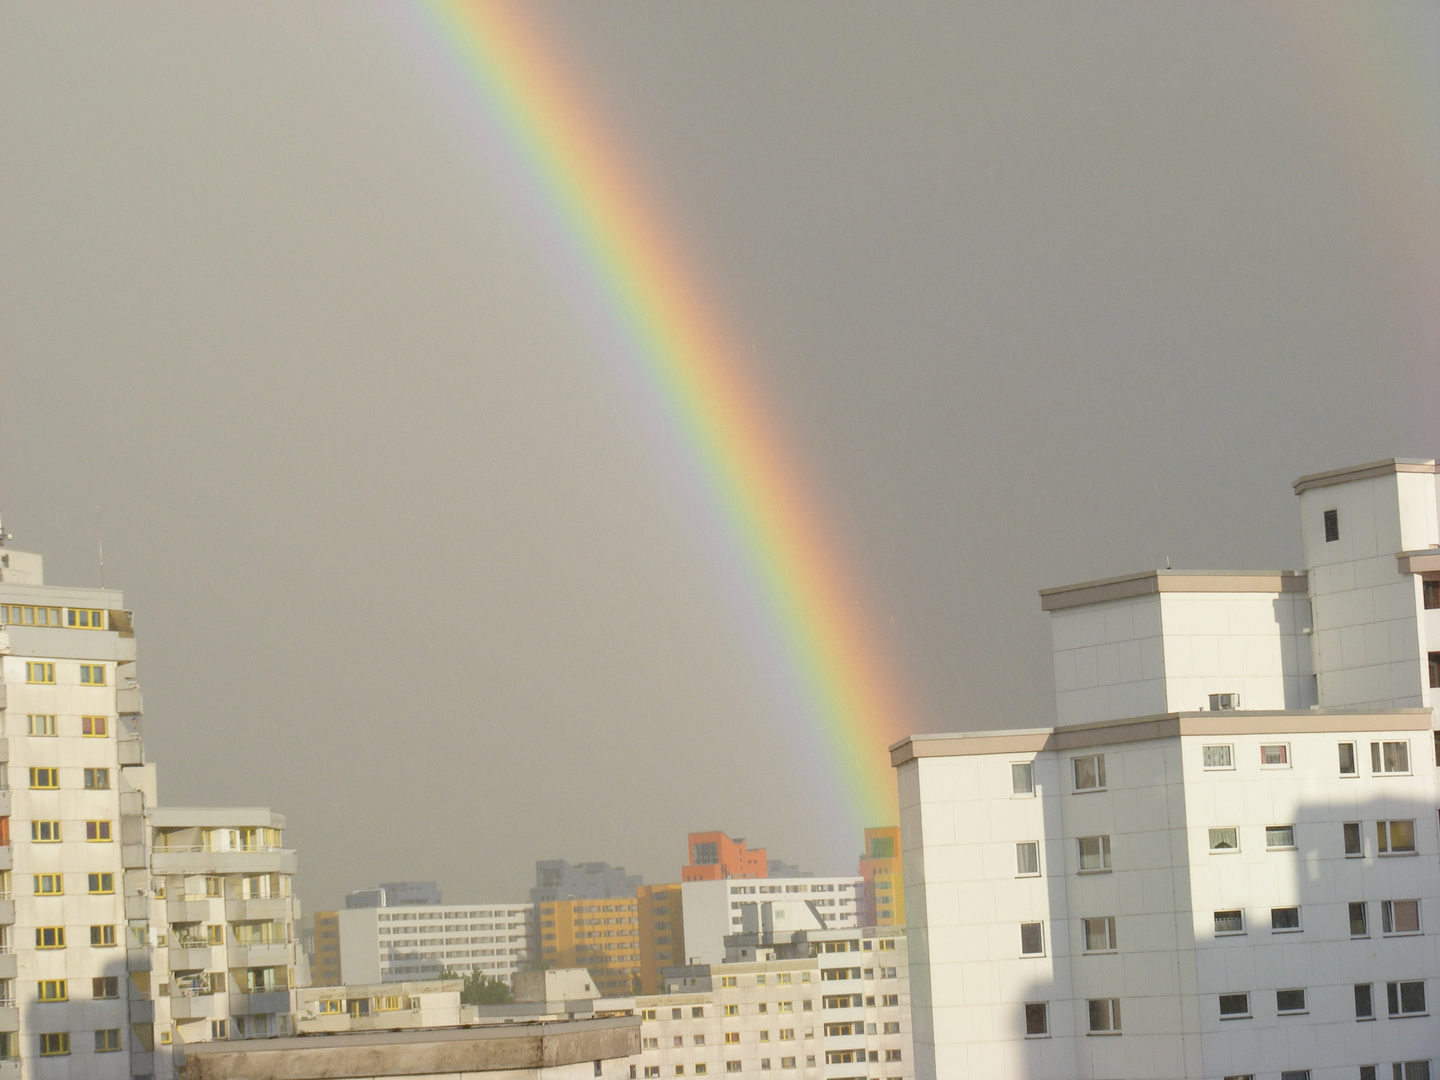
{"points": [[670, 334]]}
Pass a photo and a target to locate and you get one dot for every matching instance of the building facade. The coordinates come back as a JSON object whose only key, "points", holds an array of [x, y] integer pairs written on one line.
{"points": [[715, 909], [1223, 861], [326, 970], [882, 879], [660, 910], [602, 936], [414, 942], [556, 879], [714, 856]]}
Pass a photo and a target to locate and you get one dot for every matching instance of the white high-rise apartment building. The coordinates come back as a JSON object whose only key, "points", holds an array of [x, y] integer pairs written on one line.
{"points": [[1224, 862], [715, 909], [98, 931], [409, 942]]}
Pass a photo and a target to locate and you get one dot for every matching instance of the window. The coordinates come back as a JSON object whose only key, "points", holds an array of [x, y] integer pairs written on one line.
{"points": [[54, 990], [102, 883], [732, 1066], [1284, 918], [707, 854], [1395, 837], [1405, 998], [42, 724], [1104, 1016], [1332, 526], [1224, 702], [1389, 757], [1089, 772], [1359, 919], [36, 672], [1353, 846], [697, 1011], [727, 980], [1410, 1070], [97, 831], [1347, 759], [92, 674], [887, 999], [1099, 934], [1027, 859], [1434, 670], [25, 615], [1229, 922], [1218, 757], [1400, 916], [49, 937], [1224, 840], [1290, 1001], [1022, 778], [44, 779], [1275, 756], [106, 986], [102, 935], [1295, 1074], [1032, 939], [891, 1027], [787, 1062], [1094, 853], [45, 832], [892, 1055], [85, 618], [732, 1036], [787, 1034], [1234, 1006], [732, 1010], [1430, 592], [54, 1043], [1279, 836], [49, 884], [95, 727], [213, 886], [97, 779], [652, 1070], [1364, 1002]]}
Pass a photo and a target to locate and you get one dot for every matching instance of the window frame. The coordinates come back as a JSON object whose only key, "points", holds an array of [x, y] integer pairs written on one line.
{"points": [[1385, 837], [1111, 1010], [1280, 847], [1284, 749], [1104, 854], [1107, 922], [1368, 990], [1033, 928], [1220, 849], [1099, 770], [1301, 1010], [1229, 933], [1229, 749], [1299, 922], [1363, 907], [1395, 999], [1388, 920], [1378, 763], [1354, 770], [1034, 847], [1029, 772], [1242, 1013], [1353, 830]]}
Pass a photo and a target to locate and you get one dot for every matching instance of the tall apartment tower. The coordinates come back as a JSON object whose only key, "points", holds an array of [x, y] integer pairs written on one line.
{"points": [[73, 833], [1224, 861], [714, 856], [882, 879]]}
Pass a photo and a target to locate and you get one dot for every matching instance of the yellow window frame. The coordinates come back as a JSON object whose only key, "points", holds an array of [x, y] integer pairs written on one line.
{"points": [[102, 884], [54, 934], [44, 779], [54, 1043], [40, 671], [101, 830], [85, 618], [92, 675], [95, 727], [49, 884], [54, 990]]}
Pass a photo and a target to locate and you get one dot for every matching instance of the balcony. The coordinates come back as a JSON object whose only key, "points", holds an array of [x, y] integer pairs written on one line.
{"points": [[9, 1015], [7, 858], [128, 700], [4, 746], [138, 959], [4, 802], [187, 910], [130, 751], [10, 1069], [259, 1002], [189, 956], [197, 860], [7, 911], [271, 909], [7, 962], [192, 1006], [275, 954]]}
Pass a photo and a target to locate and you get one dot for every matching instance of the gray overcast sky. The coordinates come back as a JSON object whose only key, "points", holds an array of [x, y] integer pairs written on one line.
{"points": [[1038, 294]]}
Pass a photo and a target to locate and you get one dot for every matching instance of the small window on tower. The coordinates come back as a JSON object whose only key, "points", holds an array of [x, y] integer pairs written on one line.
{"points": [[1430, 590], [1332, 526]]}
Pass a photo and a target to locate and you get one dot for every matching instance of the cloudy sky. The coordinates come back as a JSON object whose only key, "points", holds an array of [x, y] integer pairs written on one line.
{"points": [[1036, 294]]}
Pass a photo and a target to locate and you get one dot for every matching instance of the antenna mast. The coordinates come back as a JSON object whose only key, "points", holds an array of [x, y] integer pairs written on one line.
{"points": [[100, 543]]}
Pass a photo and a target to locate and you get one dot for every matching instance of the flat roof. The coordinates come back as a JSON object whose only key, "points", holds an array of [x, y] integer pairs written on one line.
{"points": [[416, 1051], [1162, 726], [1364, 472], [1151, 582]]}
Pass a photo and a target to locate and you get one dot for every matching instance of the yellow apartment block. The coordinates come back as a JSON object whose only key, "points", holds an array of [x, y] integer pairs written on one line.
{"points": [[601, 936], [662, 934], [327, 950], [882, 885]]}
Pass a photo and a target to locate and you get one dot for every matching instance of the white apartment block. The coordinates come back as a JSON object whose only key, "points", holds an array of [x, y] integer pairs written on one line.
{"points": [[1224, 862], [382, 1007], [88, 911], [223, 921], [419, 941], [715, 909]]}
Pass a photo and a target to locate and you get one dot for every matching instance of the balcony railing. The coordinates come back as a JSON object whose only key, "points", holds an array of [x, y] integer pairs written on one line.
{"points": [[203, 849]]}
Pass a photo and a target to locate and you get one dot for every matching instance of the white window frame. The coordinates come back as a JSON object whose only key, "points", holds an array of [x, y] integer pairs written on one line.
{"points": [[1377, 758], [1040, 928], [1280, 847], [1229, 749], [1107, 926], [1299, 920], [1104, 846], [1230, 933], [1384, 841], [1246, 1014], [1285, 748], [1304, 1001], [1110, 1007], [1099, 760], [1354, 759], [1027, 794], [1387, 919], [1221, 850], [1034, 845]]}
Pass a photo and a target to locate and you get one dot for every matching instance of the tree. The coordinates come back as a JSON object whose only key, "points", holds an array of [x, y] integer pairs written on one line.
{"points": [[481, 989]]}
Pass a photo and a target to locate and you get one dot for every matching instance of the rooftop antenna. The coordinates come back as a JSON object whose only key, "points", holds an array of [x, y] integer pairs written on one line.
{"points": [[4, 535], [100, 543], [1167, 562]]}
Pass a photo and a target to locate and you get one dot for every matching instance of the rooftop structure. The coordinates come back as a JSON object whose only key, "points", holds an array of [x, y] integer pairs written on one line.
{"points": [[714, 856]]}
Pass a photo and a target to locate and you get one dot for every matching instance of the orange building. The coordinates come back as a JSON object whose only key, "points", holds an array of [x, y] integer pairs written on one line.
{"points": [[601, 936], [662, 934], [714, 856], [882, 881], [327, 949]]}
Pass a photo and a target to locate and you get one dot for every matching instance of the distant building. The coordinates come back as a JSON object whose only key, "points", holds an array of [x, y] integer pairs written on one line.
{"points": [[882, 879], [781, 868], [394, 894], [382, 1006], [601, 936], [661, 911], [556, 879], [418, 941], [714, 856], [715, 909], [326, 970]]}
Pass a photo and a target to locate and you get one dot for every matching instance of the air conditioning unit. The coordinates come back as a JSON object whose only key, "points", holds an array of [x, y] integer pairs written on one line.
{"points": [[1224, 702]]}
